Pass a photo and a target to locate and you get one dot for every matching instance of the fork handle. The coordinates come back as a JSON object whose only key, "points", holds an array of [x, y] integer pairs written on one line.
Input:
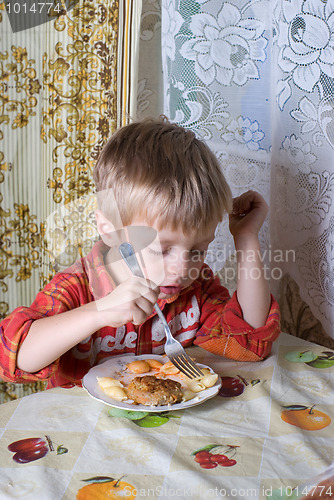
{"points": [[127, 252]]}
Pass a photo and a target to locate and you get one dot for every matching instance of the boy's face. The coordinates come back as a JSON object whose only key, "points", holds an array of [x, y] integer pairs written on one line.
{"points": [[181, 256], [172, 260]]}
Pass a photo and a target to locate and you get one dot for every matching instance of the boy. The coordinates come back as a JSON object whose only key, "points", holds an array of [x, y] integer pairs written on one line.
{"points": [[151, 174]]}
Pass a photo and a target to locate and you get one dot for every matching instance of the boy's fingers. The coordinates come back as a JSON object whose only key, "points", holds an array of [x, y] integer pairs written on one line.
{"points": [[146, 283], [240, 207], [152, 285], [149, 290], [150, 296], [143, 293], [145, 306], [129, 292], [246, 202]]}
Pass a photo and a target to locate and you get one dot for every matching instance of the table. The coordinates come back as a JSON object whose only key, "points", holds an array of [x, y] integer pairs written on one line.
{"points": [[269, 456]]}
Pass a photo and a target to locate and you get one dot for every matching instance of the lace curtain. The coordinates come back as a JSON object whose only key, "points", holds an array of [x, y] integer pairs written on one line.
{"points": [[255, 79]]}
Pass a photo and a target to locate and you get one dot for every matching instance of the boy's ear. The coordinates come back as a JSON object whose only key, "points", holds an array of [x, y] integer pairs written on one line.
{"points": [[105, 227]]}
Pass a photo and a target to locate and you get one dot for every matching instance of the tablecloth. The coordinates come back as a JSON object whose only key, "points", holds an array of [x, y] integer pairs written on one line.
{"points": [[273, 421]]}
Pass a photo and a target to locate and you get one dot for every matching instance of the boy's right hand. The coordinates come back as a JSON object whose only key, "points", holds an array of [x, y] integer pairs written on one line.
{"points": [[131, 302]]}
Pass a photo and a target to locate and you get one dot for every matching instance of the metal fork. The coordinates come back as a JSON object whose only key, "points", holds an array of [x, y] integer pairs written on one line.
{"points": [[173, 348]]}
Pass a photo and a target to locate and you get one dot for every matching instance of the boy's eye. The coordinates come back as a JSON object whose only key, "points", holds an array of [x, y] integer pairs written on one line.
{"points": [[158, 252], [154, 252], [194, 254]]}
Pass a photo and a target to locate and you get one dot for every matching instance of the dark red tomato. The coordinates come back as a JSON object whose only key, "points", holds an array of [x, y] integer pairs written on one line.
{"points": [[23, 457], [209, 465], [27, 444], [231, 387]]}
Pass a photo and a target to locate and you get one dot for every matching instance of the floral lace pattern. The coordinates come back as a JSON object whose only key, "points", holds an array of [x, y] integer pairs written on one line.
{"points": [[255, 79]]}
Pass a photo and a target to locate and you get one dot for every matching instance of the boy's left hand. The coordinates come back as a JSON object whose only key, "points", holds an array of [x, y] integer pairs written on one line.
{"points": [[248, 214]]}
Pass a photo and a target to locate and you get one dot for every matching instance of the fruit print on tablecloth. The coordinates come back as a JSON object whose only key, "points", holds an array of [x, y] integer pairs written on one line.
{"points": [[56, 450], [213, 455], [131, 419], [34, 448], [246, 385], [246, 452], [142, 485], [143, 419], [295, 358], [307, 417], [322, 360], [103, 487]]}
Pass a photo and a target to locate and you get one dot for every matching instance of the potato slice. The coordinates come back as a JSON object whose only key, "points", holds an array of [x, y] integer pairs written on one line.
{"points": [[116, 393], [105, 382]]}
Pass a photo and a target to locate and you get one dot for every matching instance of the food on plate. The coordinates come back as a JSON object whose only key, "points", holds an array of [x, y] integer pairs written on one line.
{"points": [[154, 364], [187, 395], [152, 391], [106, 382], [169, 369], [196, 385], [139, 366], [159, 384], [116, 393], [112, 388], [201, 383], [209, 380]]}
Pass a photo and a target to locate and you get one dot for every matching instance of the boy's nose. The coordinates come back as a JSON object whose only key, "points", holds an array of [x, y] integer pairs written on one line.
{"points": [[181, 266]]}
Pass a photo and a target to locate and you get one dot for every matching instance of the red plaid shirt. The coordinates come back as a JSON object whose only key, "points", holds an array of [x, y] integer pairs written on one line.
{"points": [[202, 314]]}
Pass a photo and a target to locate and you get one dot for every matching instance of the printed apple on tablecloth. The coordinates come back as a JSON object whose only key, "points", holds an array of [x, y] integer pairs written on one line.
{"points": [[324, 360]]}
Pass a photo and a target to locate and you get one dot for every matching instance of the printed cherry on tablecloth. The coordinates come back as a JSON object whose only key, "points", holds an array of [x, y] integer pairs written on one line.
{"points": [[212, 455]]}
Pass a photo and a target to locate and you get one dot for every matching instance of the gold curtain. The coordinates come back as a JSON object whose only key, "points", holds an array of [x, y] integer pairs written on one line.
{"points": [[65, 86]]}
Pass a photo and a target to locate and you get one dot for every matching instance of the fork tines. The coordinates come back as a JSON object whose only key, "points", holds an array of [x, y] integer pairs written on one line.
{"points": [[186, 365]]}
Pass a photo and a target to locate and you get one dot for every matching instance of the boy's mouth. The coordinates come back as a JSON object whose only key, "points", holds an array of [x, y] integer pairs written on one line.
{"points": [[170, 289]]}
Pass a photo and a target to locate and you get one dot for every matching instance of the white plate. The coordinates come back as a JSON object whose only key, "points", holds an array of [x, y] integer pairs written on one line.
{"points": [[114, 367]]}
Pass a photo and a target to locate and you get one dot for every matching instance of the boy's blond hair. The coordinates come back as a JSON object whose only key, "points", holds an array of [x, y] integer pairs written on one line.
{"points": [[159, 171]]}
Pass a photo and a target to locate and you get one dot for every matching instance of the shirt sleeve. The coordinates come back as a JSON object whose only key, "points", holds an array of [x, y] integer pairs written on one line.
{"points": [[223, 330], [64, 292]]}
